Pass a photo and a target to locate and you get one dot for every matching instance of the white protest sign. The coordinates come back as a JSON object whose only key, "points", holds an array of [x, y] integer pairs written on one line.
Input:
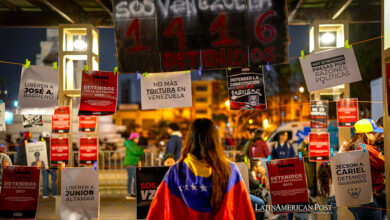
{"points": [[167, 90], [330, 68], [351, 177], [36, 152], [38, 90], [79, 194], [2, 116]]}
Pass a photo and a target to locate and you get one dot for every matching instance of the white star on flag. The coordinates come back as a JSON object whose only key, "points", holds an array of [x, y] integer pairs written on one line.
{"points": [[186, 187], [180, 188], [193, 187], [203, 188]]}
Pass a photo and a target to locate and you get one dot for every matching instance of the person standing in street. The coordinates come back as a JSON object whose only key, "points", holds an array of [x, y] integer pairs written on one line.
{"points": [[366, 132], [283, 149], [256, 146], [310, 167], [46, 172], [4, 159], [133, 155], [174, 144], [203, 184]]}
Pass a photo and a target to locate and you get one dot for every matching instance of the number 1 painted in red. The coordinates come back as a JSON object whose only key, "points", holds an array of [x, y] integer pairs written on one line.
{"points": [[220, 23], [134, 26]]}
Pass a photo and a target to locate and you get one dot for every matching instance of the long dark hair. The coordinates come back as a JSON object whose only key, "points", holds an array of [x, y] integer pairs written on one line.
{"points": [[203, 141], [324, 178]]}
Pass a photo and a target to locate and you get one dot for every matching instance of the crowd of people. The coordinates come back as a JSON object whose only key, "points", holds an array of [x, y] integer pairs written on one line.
{"points": [[202, 160]]}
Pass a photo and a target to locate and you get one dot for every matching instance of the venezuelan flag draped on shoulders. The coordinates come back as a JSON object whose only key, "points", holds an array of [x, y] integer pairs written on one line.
{"points": [[187, 196]]}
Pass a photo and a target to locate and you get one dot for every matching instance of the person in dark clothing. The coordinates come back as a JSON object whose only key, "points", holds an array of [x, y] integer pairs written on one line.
{"points": [[174, 142], [380, 138], [20, 156], [256, 186], [46, 172], [283, 149]]}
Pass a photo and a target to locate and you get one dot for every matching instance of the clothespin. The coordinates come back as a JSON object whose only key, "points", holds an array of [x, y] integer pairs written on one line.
{"points": [[38, 165], [269, 159], [95, 165], [35, 141], [200, 71], [55, 67], [115, 70], [27, 65], [186, 71], [62, 166], [300, 155], [138, 75], [246, 160], [86, 68], [139, 165], [346, 44], [5, 163], [146, 74], [331, 152], [364, 148], [303, 54], [42, 139], [260, 66], [229, 68], [268, 66]]}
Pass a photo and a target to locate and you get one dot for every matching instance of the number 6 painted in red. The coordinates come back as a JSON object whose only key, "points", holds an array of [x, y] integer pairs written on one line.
{"points": [[261, 29]]}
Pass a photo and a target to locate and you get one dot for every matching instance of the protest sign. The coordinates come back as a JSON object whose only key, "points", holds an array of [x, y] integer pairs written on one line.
{"points": [[347, 112], [246, 89], [148, 179], [36, 152], [19, 192], [319, 114], [319, 146], [32, 121], [59, 151], [351, 178], [2, 116], [330, 68], [79, 194], [38, 90], [172, 36], [168, 90], [99, 91], [60, 122], [88, 150], [287, 182], [87, 123]]}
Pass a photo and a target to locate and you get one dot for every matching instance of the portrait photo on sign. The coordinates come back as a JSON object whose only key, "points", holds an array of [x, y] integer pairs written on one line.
{"points": [[36, 152], [32, 121]]}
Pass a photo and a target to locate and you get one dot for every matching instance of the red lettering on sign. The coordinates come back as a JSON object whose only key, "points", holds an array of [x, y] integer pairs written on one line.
{"points": [[181, 59], [220, 24], [134, 26], [256, 55], [169, 32], [240, 57], [270, 54], [261, 30]]}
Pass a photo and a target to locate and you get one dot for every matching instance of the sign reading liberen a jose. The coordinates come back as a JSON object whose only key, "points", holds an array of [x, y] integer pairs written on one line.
{"points": [[168, 90], [330, 68], [351, 178], [38, 90]]}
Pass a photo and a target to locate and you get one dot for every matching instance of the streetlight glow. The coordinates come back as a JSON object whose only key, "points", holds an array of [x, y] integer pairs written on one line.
{"points": [[79, 44], [301, 89], [16, 103], [328, 38], [250, 121], [227, 103]]}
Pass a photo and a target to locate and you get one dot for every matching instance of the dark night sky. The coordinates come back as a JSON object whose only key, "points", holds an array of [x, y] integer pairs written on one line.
{"points": [[19, 44]]}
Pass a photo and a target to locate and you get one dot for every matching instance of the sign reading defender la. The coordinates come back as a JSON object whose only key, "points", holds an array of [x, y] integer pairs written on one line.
{"points": [[330, 68], [246, 89], [79, 194], [168, 90], [38, 90], [351, 177]]}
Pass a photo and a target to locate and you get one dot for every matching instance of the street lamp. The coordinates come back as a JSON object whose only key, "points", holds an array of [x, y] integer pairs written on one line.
{"points": [[327, 35], [227, 104], [301, 89]]}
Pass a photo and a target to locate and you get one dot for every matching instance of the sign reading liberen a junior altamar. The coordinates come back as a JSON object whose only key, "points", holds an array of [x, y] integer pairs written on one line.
{"points": [[330, 68]]}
